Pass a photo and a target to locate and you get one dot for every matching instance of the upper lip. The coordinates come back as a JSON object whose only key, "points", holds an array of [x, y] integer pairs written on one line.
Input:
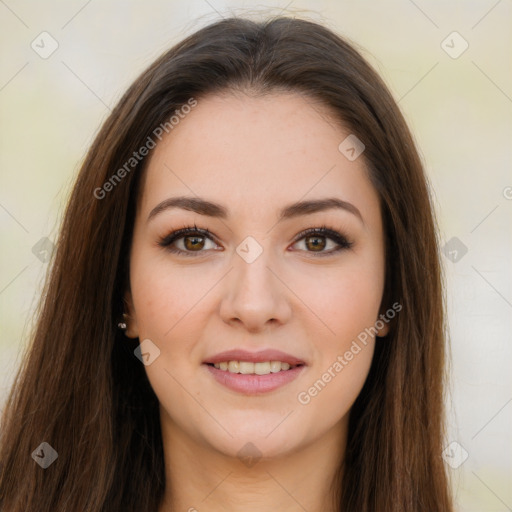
{"points": [[254, 357]]}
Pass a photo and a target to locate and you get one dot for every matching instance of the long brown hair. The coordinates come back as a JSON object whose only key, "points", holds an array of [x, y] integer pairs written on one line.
{"points": [[82, 390]]}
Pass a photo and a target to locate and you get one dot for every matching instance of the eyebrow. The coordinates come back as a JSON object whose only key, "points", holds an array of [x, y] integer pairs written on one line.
{"points": [[212, 209]]}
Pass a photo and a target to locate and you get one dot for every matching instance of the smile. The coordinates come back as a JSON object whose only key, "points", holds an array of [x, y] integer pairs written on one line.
{"points": [[251, 383], [252, 373], [250, 368]]}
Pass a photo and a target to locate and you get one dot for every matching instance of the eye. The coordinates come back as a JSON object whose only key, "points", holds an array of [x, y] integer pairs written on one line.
{"points": [[191, 241], [322, 241], [188, 240]]}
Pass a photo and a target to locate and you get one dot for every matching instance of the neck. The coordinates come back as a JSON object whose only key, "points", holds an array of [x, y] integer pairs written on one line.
{"points": [[198, 477]]}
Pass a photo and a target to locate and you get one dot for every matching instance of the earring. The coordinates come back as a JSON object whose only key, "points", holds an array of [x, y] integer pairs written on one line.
{"points": [[122, 325]]}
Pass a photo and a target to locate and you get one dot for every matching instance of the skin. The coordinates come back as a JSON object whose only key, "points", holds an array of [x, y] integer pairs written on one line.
{"points": [[254, 155]]}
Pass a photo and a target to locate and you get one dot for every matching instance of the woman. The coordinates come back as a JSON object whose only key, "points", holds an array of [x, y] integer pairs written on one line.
{"points": [[245, 310]]}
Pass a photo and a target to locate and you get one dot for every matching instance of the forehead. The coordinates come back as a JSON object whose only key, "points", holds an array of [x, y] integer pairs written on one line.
{"points": [[256, 153]]}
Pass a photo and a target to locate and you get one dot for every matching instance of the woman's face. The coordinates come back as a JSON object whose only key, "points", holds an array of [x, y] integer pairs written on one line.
{"points": [[249, 168]]}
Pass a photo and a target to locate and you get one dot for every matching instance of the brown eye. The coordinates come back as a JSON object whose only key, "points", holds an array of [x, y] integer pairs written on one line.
{"points": [[193, 243], [316, 243], [189, 241], [322, 241]]}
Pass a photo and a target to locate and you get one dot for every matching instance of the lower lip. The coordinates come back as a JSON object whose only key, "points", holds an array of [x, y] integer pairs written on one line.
{"points": [[254, 384]]}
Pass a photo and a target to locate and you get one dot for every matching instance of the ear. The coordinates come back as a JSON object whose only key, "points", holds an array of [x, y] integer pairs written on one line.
{"points": [[130, 318]]}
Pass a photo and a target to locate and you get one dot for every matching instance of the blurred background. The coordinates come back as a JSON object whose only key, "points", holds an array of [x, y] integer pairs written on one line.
{"points": [[64, 65]]}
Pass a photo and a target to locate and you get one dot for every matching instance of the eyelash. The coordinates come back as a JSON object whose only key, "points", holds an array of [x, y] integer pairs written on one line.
{"points": [[323, 231]]}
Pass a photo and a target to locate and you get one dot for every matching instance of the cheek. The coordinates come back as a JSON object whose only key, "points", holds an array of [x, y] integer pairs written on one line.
{"points": [[331, 394], [345, 299], [165, 296], [169, 310], [355, 304], [348, 311]]}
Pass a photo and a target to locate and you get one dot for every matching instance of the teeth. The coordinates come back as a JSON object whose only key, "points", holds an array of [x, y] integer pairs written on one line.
{"points": [[275, 366], [249, 368], [262, 368]]}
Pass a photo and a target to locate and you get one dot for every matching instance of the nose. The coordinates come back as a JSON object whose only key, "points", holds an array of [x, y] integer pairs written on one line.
{"points": [[254, 297]]}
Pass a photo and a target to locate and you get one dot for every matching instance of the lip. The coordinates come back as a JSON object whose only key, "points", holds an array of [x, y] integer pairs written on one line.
{"points": [[255, 357], [254, 384]]}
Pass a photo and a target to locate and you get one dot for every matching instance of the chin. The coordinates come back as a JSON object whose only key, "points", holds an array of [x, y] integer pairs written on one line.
{"points": [[255, 439]]}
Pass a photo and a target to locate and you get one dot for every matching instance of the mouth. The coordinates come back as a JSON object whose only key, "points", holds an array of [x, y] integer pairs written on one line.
{"points": [[254, 373], [250, 368]]}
